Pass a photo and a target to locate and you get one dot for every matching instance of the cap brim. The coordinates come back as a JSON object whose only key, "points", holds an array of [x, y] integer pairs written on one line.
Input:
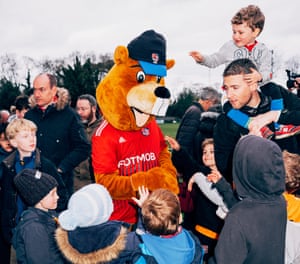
{"points": [[153, 69]]}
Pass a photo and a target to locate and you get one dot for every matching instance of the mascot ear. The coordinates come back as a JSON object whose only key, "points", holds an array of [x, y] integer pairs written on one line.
{"points": [[170, 64], [121, 54]]}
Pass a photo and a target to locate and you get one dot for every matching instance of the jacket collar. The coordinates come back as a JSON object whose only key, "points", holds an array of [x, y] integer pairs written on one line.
{"points": [[9, 161], [103, 253], [264, 106]]}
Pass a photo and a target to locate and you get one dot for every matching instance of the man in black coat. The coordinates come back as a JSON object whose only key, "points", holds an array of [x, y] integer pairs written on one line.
{"points": [[191, 120], [190, 136], [60, 136]]}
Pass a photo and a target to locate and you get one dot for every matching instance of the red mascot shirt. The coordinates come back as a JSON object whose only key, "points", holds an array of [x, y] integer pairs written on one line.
{"points": [[127, 152]]}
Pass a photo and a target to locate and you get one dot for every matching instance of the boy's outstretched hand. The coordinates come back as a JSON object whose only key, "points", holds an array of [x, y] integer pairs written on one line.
{"points": [[143, 193], [196, 55]]}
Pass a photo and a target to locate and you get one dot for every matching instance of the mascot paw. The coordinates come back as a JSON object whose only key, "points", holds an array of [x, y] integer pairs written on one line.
{"points": [[155, 179]]}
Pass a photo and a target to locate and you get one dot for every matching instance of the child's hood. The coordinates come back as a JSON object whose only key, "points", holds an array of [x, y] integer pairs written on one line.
{"points": [[258, 168], [95, 244]]}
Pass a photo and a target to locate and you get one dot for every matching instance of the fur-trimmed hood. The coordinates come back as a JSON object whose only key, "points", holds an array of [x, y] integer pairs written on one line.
{"points": [[63, 99], [102, 243]]}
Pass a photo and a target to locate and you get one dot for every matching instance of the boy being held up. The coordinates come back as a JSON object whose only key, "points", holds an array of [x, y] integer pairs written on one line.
{"points": [[247, 24]]}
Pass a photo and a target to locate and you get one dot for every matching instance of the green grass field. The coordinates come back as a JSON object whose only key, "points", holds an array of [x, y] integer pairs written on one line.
{"points": [[169, 129]]}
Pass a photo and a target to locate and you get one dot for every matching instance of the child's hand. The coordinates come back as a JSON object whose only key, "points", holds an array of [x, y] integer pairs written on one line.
{"points": [[191, 182], [196, 56], [253, 78], [173, 143], [214, 176], [143, 193]]}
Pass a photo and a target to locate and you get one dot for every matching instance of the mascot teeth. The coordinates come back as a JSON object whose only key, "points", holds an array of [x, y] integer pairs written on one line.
{"points": [[140, 117], [160, 107]]}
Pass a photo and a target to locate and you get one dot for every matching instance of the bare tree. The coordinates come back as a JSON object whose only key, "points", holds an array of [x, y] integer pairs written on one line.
{"points": [[293, 64], [9, 67]]}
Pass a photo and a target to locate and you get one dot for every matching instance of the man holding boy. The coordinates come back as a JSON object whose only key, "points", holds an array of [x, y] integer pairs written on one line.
{"points": [[246, 98], [60, 136]]}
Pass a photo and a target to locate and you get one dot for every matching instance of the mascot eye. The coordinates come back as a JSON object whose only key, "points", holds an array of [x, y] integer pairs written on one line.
{"points": [[140, 76], [158, 79]]}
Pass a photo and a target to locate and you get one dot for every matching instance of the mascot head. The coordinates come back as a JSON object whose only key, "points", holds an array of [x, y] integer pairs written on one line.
{"points": [[134, 91]]}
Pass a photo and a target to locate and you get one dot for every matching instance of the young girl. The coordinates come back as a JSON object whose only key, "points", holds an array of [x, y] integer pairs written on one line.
{"points": [[200, 179], [207, 224]]}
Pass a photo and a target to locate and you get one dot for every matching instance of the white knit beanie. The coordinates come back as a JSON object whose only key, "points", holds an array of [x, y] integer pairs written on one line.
{"points": [[89, 206]]}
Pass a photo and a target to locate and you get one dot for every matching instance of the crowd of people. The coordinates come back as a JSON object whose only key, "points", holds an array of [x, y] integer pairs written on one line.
{"points": [[236, 154]]}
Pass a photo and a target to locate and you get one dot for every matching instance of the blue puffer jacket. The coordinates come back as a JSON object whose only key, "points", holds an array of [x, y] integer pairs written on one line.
{"points": [[34, 240]]}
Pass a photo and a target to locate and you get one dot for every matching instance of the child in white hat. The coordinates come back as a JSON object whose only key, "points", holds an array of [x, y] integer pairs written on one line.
{"points": [[85, 234]]}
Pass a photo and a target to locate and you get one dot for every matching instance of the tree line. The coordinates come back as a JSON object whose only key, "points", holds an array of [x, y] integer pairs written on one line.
{"points": [[80, 74]]}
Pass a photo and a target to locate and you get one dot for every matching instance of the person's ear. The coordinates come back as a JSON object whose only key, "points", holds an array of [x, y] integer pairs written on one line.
{"points": [[54, 90], [253, 87], [256, 31], [180, 219]]}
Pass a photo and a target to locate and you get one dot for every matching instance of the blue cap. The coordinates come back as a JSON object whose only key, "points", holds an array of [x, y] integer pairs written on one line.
{"points": [[153, 69]]}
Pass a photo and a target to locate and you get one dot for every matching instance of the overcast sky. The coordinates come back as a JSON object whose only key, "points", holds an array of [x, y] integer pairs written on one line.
{"points": [[56, 28]]}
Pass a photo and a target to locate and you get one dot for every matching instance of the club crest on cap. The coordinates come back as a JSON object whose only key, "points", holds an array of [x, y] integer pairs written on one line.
{"points": [[38, 175], [155, 58]]}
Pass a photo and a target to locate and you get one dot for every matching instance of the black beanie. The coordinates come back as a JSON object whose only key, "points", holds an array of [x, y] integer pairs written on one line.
{"points": [[34, 185]]}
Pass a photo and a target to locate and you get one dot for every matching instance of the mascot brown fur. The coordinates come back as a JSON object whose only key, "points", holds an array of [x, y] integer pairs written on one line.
{"points": [[128, 148]]}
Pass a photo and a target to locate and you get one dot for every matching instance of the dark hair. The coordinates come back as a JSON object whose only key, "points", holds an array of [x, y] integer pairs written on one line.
{"points": [[90, 98], [292, 171], [3, 127], [252, 15], [239, 66], [21, 102], [93, 103]]}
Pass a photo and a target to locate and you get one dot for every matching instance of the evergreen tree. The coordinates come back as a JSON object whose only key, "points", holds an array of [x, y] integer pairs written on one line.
{"points": [[81, 78], [185, 99], [8, 93]]}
